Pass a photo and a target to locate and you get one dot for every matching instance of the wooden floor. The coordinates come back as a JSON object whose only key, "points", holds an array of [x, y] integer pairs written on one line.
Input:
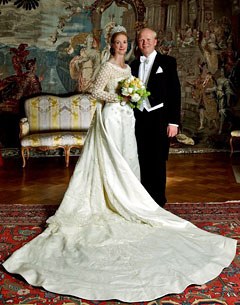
{"points": [[191, 178]]}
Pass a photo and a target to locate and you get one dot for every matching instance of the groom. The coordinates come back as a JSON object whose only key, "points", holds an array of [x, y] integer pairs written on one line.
{"points": [[159, 117]]}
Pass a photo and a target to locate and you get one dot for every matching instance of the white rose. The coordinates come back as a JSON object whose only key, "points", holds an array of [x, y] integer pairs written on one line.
{"points": [[135, 98], [125, 92], [130, 90]]}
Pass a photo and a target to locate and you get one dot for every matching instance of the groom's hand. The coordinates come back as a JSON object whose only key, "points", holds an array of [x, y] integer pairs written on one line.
{"points": [[172, 131]]}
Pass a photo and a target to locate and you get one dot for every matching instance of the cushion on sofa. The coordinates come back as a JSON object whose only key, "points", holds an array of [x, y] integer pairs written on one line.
{"points": [[54, 139]]}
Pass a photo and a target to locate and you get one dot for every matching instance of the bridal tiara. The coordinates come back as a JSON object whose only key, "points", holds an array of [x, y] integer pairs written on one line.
{"points": [[117, 29]]}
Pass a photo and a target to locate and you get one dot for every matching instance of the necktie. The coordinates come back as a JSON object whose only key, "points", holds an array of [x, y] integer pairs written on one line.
{"points": [[143, 76], [144, 59], [143, 68]]}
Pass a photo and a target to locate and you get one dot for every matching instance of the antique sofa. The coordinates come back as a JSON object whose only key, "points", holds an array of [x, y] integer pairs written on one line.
{"points": [[53, 122]]}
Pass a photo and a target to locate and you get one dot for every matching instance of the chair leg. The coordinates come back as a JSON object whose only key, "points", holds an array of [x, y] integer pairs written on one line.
{"points": [[23, 149], [67, 154]]}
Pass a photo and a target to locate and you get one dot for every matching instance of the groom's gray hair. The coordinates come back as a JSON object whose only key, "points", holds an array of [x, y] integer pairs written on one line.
{"points": [[154, 33]]}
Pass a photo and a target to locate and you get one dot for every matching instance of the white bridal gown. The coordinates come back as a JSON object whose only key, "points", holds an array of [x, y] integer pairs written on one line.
{"points": [[109, 239]]}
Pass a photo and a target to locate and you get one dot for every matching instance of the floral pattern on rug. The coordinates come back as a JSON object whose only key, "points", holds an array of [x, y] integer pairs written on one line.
{"points": [[20, 223]]}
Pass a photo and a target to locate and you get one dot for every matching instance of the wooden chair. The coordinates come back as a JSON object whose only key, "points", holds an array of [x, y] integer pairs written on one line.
{"points": [[235, 134]]}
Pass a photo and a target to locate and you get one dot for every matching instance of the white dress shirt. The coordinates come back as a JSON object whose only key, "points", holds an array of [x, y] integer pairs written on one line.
{"points": [[144, 73]]}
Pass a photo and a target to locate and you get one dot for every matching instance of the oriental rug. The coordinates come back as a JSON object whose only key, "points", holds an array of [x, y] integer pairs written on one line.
{"points": [[20, 223]]}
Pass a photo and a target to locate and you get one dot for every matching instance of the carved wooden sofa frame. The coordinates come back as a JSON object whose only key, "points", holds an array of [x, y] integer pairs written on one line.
{"points": [[53, 122]]}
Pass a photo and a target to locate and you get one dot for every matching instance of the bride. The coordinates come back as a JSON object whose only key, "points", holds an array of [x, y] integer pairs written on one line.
{"points": [[108, 238]]}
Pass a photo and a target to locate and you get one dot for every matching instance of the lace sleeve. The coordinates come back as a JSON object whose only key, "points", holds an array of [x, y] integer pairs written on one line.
{"points": [[99, 88]]}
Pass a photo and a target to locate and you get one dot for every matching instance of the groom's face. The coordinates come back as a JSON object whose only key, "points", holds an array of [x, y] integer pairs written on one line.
{"points": [[147, 41]]}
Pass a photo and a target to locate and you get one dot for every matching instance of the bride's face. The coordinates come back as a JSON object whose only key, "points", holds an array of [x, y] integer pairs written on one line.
{"points": [[120, 44]]}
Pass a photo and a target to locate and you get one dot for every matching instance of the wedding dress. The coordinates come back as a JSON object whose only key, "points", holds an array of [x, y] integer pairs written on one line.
{"points": [[108, 238]]}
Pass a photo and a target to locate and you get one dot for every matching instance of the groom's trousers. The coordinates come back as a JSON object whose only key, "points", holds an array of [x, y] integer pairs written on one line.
{"points": [[153, 148]]}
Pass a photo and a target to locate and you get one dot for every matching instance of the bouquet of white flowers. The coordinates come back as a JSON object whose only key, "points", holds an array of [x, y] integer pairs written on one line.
{"points": [[133, 90]]}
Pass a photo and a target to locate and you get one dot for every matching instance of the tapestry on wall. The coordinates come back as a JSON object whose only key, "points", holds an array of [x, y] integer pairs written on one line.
{"points": [[56, 47]]}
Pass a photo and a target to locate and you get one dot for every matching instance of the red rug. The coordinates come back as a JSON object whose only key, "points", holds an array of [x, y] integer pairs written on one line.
{"points": [[21, 223]]}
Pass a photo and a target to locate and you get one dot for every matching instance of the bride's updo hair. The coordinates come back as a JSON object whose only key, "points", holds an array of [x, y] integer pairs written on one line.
{"points": [[117, 30]]}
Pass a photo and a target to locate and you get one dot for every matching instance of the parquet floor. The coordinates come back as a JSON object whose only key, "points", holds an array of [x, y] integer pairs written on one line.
{"points": [[191, 178]]}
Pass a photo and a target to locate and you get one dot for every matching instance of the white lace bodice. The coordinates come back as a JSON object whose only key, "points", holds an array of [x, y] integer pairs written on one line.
{"points": [[107, 82], [118, 119]]}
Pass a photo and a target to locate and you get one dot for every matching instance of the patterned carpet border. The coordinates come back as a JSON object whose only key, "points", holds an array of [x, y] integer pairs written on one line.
{"points": [[25, 214], [36, 214], [210, 211]]}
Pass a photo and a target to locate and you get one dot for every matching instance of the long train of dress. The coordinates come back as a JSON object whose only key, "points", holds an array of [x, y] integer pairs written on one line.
{"points": [[109, 239]]}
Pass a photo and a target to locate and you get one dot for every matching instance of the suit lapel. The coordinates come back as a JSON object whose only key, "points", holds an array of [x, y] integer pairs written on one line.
{"points": [[136, 68], [155, 66]]}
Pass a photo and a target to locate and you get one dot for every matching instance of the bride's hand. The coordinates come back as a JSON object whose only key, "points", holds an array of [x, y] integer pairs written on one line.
{"points": [[126, 99]]}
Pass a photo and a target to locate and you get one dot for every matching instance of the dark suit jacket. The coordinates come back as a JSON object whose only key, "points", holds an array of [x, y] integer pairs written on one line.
{"points": [[151, 127], [164, 87]]}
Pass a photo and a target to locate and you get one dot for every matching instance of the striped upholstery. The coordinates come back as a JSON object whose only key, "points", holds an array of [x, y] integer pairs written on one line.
{"points": [[52, 122], [59, 113]]}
